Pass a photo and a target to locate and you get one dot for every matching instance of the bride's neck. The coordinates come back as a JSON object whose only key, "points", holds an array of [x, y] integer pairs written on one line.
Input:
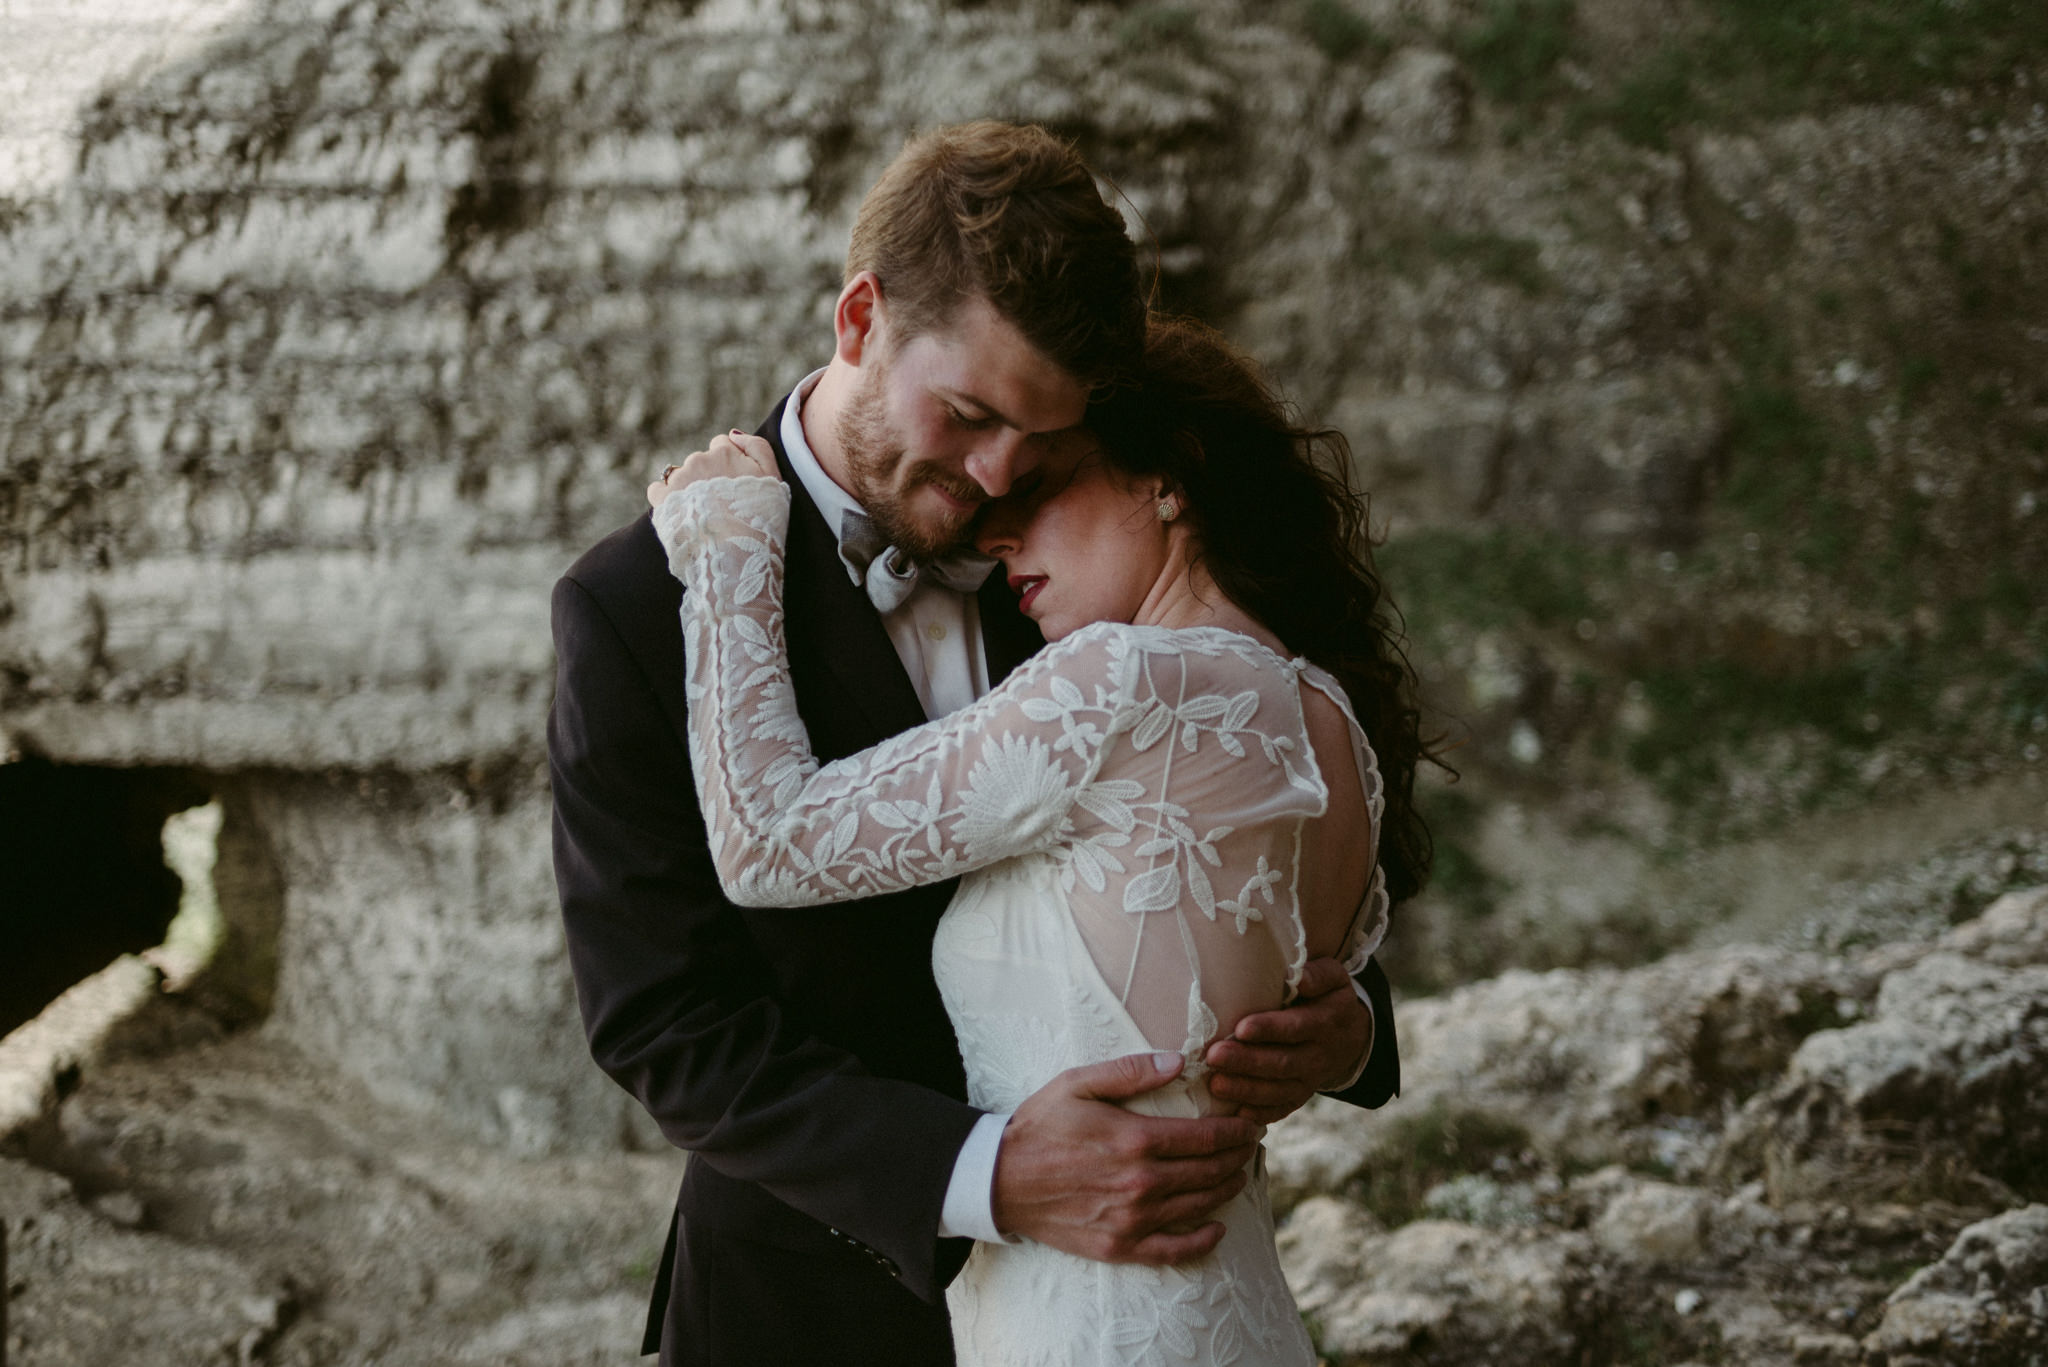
{"points": [[1186, 596]]}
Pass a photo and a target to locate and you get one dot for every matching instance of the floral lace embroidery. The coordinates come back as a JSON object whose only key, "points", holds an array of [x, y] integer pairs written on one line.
{"points": [[1125, 810]]}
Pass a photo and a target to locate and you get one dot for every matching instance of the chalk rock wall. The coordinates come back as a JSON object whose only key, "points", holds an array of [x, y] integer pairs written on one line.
{"points": [[345, 332], [345, 336], [420, 946]]}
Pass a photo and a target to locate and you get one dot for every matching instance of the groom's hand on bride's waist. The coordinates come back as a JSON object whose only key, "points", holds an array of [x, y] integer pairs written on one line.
{"points": [[1079, 1172], [1274, 1061]]}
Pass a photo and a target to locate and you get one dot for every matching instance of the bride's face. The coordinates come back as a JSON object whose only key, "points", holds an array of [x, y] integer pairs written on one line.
{"points": [[1079, 541]]}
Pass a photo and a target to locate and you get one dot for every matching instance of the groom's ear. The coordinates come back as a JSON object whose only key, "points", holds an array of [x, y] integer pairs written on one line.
{"points": [[858, 318]]}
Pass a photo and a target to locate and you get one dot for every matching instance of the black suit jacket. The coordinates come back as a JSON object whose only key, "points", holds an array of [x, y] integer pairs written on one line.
{"points": [[803, 1056]]}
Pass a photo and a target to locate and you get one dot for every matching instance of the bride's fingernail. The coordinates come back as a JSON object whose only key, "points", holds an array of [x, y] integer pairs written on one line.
{"points": [[1165, 1062]]}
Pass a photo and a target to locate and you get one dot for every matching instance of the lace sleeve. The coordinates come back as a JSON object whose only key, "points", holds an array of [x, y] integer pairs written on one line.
{"points": [[997, 779]]}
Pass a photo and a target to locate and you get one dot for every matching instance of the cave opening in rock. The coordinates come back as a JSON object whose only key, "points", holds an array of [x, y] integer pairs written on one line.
{"points": [[82, 857]]}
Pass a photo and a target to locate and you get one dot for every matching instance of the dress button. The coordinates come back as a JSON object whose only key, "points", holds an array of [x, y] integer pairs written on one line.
{"points": [[937, 631]]}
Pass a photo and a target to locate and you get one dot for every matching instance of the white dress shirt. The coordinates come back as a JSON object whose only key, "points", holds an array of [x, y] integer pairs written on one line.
{"points": [[936, 632], [937, 635]]}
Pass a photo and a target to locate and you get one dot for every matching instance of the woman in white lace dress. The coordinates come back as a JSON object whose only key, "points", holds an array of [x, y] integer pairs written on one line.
{"points": [[1156, 821]]}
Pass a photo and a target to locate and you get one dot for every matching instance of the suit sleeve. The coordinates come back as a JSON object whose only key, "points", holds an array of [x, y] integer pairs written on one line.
{"points": [[677, 1003], [1381, 1080]]}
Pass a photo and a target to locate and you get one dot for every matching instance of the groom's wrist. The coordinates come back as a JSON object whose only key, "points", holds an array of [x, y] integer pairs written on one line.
{"points": [[969, 1209]]}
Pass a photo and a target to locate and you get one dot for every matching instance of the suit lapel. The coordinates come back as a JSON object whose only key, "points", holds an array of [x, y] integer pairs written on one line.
{"points": [[833, 629]]}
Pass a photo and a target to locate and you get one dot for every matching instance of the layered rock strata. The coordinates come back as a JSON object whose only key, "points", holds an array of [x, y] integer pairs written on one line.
{"points": [[343, 326]]}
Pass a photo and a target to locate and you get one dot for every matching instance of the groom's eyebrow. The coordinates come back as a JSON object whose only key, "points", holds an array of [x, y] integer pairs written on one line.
{"points": [[985, 411]]}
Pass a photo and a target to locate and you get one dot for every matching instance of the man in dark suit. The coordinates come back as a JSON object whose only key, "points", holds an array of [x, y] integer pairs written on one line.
{"points": [[803, 1057]]}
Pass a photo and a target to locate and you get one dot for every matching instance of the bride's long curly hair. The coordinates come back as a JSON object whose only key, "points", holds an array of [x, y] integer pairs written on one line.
{"points": [[1283, 532]]}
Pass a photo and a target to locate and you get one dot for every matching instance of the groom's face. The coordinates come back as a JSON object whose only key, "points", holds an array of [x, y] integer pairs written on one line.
{"points": [[943, 421]]}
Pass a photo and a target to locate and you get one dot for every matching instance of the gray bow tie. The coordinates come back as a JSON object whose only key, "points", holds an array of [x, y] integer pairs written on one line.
{"points": [[890, 575]]}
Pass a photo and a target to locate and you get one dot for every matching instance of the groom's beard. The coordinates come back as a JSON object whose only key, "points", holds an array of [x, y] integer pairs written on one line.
{"points": [[875, 457]]}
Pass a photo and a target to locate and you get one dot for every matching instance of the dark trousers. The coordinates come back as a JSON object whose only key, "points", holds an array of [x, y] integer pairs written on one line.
{"points": [[739, 1303]]}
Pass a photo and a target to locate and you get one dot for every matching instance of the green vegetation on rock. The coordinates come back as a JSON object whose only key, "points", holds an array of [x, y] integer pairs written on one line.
{"points": [[1449, 580], [1430, 1147], [1774, 58], [1457, 873], [1740, 61], [1151, 27], [1509, 260], [1515, 46], [1779, 449], [1340, 31], [1411, 252]]}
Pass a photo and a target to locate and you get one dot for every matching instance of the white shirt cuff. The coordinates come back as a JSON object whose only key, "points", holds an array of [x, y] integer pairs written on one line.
{"points": [[969, 1212], [1358, 988]]}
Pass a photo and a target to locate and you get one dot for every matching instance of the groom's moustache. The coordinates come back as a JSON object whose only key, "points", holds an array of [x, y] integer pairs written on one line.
{"points": [[966, 491]]}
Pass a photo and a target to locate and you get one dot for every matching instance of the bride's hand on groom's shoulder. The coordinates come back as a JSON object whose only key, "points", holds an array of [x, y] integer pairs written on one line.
{"points": [[734, 454]]}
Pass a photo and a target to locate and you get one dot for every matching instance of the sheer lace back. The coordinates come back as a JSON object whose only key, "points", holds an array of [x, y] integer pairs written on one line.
{"points": [[1165, 773], [1200, 920]]}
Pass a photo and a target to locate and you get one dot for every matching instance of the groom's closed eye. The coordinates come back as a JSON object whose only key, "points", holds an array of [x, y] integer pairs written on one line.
{"points": [[971, 421]]}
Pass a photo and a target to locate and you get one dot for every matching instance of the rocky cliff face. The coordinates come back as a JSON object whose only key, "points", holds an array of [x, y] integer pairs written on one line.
{"points": [[1726, 1157], [1690, 391]]}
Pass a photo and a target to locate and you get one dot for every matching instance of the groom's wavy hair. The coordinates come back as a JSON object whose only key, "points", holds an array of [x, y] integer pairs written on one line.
{"points": [[1286, 536], [1009, 213]]}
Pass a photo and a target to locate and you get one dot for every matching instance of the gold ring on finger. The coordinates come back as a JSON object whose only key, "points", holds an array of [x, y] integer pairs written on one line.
{"points": [[668, 470]]}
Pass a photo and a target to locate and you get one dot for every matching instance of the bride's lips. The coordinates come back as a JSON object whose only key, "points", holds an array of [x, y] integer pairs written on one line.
{"points": [[1026, 587]]}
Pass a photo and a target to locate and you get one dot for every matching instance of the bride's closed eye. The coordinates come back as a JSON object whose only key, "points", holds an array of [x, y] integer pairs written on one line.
{"points": [[1047, 481], [1008, 514]]}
